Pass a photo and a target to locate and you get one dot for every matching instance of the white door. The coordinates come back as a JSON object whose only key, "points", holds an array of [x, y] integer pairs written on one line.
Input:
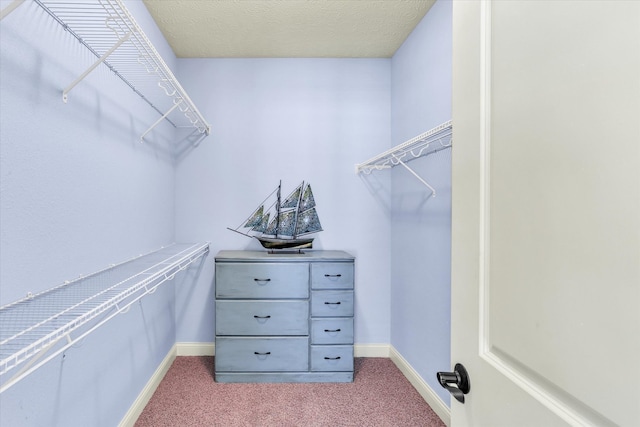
{"points": [[546, 212]]}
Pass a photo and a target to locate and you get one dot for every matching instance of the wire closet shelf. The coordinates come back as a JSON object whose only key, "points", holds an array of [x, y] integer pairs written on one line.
{"points": [[436, 139], [109, 31], [38, 327]]}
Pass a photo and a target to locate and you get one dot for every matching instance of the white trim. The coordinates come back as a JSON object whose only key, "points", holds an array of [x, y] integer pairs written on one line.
{"points": [[143, 398], [565, 408], [433, 400], [371, 350], [485, 176], [196, 349]]}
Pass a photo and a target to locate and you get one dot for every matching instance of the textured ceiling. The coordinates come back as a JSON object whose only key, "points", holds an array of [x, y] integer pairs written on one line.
{"points": [[286, 28]]}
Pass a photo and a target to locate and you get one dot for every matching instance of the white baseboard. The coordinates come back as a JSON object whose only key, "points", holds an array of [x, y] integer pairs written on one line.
{"points": [[196, 349], [427, 393], [145, 395], [359, 350], [371, 350]]}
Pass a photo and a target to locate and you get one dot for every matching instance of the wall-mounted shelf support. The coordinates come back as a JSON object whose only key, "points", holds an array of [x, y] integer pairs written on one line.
{"points": [[109, 31], [159, 120], [39, 327], [433, 190], [437, 139], [12, 6], [95, 64]]}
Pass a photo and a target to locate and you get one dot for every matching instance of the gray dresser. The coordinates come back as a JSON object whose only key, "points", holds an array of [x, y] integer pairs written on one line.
{"points": [[284, 317]]}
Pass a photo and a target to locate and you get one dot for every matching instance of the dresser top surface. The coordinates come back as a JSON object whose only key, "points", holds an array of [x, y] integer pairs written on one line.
{"points": [[265, 256]]}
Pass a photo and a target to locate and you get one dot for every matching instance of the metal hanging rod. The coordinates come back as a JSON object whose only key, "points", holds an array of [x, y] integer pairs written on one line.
{"points": [[109, 31], [437, 139], [39, 327]]}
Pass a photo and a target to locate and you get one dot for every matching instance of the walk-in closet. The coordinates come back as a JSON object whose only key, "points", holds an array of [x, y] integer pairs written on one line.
{"points": [[127, 162], [123, 166]]}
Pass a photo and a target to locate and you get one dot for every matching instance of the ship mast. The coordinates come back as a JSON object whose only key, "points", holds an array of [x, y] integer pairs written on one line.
{"points": [[298, 206], [278, 209]]}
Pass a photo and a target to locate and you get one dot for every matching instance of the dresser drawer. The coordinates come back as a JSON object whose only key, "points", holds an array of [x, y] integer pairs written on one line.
{"points": [[267, 317], [332, 275], [332, 358], [262, 280], [325, 330], [261, 354], [332, 303]]}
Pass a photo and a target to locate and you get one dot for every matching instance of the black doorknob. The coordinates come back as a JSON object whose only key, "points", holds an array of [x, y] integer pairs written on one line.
{"points": [[456, 382]]}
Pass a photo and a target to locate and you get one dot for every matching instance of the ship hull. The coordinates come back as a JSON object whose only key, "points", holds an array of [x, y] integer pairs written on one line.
{"points": [[274, 243]]}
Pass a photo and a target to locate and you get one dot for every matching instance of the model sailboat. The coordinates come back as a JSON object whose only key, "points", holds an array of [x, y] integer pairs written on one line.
{"points": [[285, 223]]}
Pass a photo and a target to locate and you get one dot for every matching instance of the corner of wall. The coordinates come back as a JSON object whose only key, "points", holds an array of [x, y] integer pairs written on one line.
{"points": [[427, 393]]}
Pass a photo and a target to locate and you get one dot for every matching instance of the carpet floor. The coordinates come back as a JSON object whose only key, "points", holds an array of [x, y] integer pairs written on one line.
{"points": [[379, 396]]}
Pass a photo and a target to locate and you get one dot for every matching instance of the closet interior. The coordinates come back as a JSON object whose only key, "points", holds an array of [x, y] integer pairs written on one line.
{"points": [[40, 326]]}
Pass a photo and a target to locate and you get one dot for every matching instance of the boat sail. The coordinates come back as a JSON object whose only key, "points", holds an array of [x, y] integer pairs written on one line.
{"points": [[283, 224]]}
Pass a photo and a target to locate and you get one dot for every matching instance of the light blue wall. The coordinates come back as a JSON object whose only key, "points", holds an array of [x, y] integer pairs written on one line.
{"points": [[421, 226], [78, 192], [289, 120]]}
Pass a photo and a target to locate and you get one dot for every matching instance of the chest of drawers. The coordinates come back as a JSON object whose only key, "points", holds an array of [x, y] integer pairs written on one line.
{"points": [[283, 317]]}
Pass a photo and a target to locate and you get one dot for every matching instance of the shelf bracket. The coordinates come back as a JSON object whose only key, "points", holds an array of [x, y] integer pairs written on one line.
{"points": [[95, 64], [26, 369], [12, 6], [160, 119], [400, 162]]}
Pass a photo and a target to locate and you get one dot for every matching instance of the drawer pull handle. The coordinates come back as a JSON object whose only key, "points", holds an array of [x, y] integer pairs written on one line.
{"points": [[261, 317], [266, 353], [332, 330], [333, 275], [332, 358], [261, 280], [336, 303]]}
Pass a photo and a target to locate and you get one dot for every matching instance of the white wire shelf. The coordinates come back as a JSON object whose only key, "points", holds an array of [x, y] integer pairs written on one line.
{"points": [[434, 140], [38, 327], [109, 31]]}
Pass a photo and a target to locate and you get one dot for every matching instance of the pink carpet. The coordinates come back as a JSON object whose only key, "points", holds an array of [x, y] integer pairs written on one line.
{"points": [[379, 396]]}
